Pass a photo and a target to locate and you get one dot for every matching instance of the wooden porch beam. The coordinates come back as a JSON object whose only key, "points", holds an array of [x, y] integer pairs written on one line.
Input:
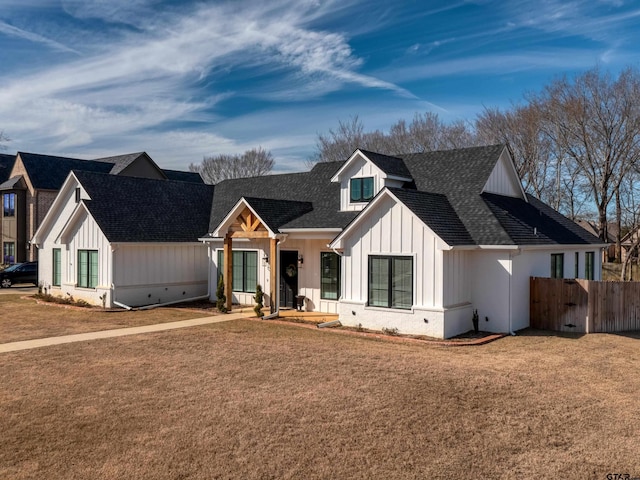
{"points": [[228, 270], [258, 234]]}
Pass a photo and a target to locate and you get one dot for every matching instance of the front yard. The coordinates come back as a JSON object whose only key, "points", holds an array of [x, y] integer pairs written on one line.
{"points": [[24, 319], [249, 399]]}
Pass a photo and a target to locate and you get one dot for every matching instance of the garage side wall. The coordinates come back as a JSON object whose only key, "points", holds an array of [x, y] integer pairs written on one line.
{"points": [[146, 274]]}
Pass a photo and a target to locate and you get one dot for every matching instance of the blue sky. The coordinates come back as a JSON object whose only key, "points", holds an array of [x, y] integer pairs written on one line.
{"points": [[184, 79]]}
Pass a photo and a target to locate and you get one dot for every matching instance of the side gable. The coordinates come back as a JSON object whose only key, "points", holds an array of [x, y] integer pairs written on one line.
{"points": [[504, 179], [58, 214], [138, 164]]}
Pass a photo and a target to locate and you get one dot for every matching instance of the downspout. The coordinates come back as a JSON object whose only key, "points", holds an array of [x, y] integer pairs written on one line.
{"points": [[511, 257]]}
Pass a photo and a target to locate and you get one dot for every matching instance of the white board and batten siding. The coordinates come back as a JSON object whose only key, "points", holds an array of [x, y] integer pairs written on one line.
{"points": [[159, 272], [362, 168], [392, 229]]}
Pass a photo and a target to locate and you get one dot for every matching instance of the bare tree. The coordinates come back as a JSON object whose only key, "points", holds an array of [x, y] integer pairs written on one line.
{"points": [[594, 120], [3, 140], [252, 163], [425, 133]]}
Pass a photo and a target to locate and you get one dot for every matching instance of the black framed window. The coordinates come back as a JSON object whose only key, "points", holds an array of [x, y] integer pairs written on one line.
{"points": [[557, 265], [391, 281], [329, 276], [589, 268], [245, 270], [9, 204], [87, 268], [57, 267], [577, 266], [361, 189]]}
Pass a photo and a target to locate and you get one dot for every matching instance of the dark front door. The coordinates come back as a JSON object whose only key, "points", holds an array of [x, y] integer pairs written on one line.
{"points": [[288, 278]]}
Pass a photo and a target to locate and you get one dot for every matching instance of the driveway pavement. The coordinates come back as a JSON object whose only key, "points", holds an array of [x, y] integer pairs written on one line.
{"points": [[118, 332], [19, 289]]}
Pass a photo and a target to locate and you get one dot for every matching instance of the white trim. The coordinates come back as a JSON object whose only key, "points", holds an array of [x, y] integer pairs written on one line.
{"points": [[75, 216]]}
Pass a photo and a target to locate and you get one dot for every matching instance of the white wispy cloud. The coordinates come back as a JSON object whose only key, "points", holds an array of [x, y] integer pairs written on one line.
{"points": [[12, 31], [149, 77]]}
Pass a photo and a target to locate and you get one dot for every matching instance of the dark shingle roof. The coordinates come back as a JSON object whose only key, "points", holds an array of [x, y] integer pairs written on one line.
{"points": [[445, 193], [276, 213], [120, 162], [130, 209], [535, 223], [48, 172], [390, 165], [6, 164], [460, 175], [313, 187], [435, 211], [180, 176]]}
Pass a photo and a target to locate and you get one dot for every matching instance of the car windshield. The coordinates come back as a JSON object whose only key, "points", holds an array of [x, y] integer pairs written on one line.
{"points": [[12, 267]]}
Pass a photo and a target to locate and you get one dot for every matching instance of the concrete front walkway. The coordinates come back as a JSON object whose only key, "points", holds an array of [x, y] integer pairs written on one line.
{"points": [[118, 332]]}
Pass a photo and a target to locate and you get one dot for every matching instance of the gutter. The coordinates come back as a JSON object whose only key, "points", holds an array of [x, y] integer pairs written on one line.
{"points": [[155, 305]]}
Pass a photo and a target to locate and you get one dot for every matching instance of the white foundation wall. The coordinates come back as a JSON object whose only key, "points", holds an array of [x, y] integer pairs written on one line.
{"points": [[308, 271], [151, 273]]}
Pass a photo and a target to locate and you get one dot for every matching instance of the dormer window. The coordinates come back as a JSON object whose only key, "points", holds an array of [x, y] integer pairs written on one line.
{"points": [[361, 189]]}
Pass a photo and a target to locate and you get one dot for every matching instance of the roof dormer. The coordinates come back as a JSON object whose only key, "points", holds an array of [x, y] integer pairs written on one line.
{"points": [[364, 174]]}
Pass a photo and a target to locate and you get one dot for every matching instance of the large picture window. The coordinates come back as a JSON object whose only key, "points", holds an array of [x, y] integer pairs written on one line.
{"points": [[9, 204], [87, 268], [589, 269], [557, 265], [9, 253], [57, 267], [361, 189], [245, 270], [329, 276], [391, 282]]}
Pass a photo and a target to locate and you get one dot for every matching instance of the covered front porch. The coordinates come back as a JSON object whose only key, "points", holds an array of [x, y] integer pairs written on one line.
{"points": [[296, 269]]}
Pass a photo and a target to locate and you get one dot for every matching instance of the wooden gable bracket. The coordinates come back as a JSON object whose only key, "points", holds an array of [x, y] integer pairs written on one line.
{"points": [[249, 225]]}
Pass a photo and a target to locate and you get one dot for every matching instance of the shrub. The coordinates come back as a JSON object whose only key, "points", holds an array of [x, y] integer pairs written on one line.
{"points": [[259, 301], [221, 303]]}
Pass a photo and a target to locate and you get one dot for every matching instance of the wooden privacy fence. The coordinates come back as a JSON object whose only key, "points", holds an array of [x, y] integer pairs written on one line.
{"points": [[584, 306]]}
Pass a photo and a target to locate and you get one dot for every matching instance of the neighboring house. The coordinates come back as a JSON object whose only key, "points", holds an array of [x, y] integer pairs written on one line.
{"points": [[35, 180], [6, 163], [111, 238], [416, 242], [609, 253]]}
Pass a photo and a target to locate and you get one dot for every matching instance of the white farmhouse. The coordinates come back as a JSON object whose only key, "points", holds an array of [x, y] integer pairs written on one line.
{"points": [[415, 243]]}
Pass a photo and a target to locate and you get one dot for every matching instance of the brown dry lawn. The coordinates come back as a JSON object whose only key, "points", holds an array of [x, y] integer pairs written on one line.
{"points": [[249, 399], [24, 319]]}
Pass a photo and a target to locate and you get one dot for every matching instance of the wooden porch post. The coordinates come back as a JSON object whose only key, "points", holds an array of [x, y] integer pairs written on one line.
{"points": [[273, 265], [228, 270]]}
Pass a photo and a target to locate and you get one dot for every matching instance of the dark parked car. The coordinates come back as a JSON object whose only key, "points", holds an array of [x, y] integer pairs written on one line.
{"points": [[19, 273]]}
